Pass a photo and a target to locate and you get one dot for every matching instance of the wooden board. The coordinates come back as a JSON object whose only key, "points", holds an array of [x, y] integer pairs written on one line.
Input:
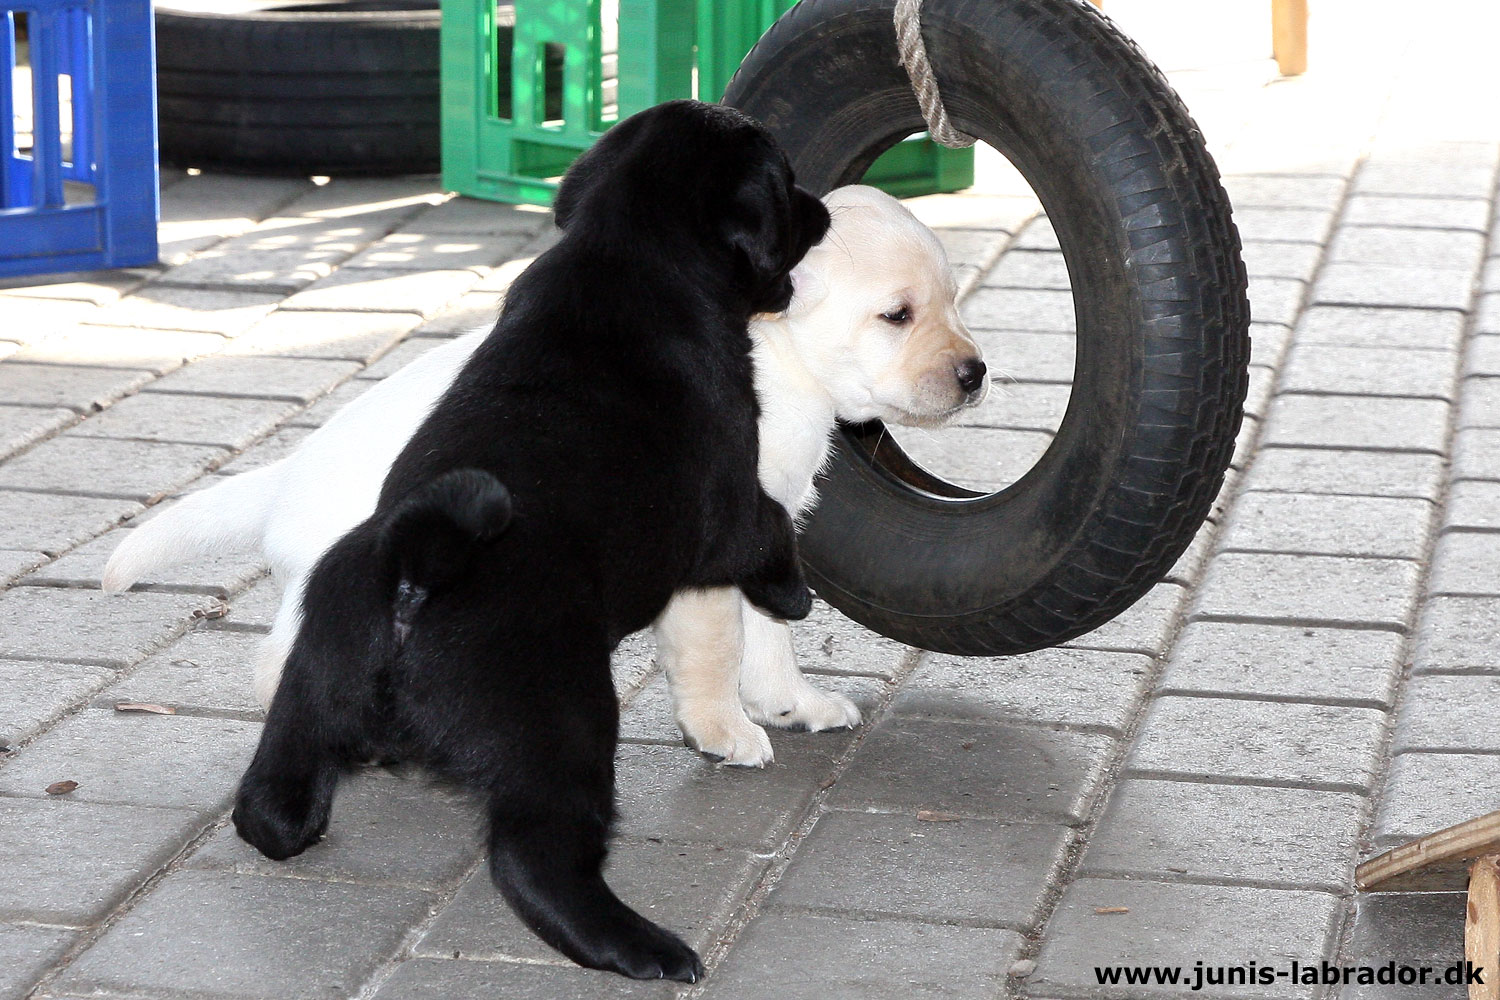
{"points": [[1434, 863]]}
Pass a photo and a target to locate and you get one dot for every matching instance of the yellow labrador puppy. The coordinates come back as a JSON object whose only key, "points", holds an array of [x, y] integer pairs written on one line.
{"points": [[873, 331]]}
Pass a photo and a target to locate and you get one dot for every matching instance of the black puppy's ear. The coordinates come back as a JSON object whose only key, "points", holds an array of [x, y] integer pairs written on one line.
{"points": [[756, 225]]}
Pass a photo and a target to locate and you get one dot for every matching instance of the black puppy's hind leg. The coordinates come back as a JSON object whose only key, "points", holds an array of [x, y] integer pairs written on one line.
{"points": [[776, 584], [551, 807]]}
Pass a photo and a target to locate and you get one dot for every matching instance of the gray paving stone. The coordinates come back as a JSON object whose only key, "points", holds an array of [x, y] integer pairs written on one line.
{"points": [[51, 522], [26, 952], [1190, 565], [1458, 634], [633, 660], [78, 387], [320, 412], [1276, 300], [1284, 190], [1258, 392], [1009, 213], [1178, 925], [228, 935], [1020, 309], [827, 642], [690, 888], [1370, 371], [1407, 928], [16, 563], [226, 422], [477, 217], [1281, 259], [1310, 589], [1428, 179], [1036, 357], [468, 312], [1021, 268], [1359, 326], [1291, 837], [980, 458], [1328, 525], [253, 609], [1476, 453], [1482, 357], [444, 979], [1436, 248], [141, 471], [112, 630], [384, 830], [1074, 687], [374, 289], [1393, 285], [1339, 471], [1426, 792], [1146, 626], [971, 870], [1454, 713], [1020, 405], [1300, 225], [38, 693], [1268, 344], [1331, 747], [230, 196], [280, 271], [206, 671], [1015, 773], [23, 426], [1420, 213], [338, 235], [1487, 313], [1465, 562], [1349, 666], [162, 307], [95, 287], [358, 197], [1473, 504], [412, 251], [813, 957], [299, 379], [69, 863], [1359, 422], [157, 351], [398, 358], [29, 321], [673, 793], [1479, 404], [271, 448], [359, 337], [174, 761]]}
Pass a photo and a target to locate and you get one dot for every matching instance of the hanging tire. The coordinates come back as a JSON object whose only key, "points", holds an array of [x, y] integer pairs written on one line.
{"points": [[1158, 291], [283, 87]]}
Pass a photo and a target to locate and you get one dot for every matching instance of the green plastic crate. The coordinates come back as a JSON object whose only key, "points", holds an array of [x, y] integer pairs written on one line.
{"points": [[529, 85]]}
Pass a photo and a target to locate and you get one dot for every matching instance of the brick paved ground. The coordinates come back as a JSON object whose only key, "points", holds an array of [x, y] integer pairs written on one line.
{"points": [[1315, 680]]}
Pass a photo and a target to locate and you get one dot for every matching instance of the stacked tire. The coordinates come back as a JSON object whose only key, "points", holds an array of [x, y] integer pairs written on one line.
{"points": [[281, 87]]}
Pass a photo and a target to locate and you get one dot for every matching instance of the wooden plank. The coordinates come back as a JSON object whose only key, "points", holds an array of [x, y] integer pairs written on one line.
{"points": [[1434, 863], [1482, 928], [1289, 35]]}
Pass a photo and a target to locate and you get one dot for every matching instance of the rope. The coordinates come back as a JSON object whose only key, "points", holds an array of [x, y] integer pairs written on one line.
{"points": [[923, 83]]}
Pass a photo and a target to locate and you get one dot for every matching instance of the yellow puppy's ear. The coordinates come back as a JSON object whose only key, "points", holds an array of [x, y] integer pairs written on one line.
{"points": [[809, 287]]}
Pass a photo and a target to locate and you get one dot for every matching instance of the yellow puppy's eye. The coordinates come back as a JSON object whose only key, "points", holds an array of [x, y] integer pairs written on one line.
{"points": [[900, 314]]}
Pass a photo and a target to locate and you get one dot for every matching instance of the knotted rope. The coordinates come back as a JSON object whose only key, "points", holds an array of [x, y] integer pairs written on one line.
{"points": [[923, 83]]}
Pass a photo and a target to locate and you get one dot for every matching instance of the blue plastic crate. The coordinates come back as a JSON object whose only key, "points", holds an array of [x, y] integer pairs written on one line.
{"points": [[82, 194]]}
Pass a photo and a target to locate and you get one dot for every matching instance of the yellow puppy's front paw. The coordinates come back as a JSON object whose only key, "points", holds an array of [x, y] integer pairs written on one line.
{"points": [[728, 735], [804, 707]]}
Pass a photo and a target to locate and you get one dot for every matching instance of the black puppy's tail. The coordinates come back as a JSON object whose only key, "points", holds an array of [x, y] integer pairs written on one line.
{"points": [[433, 535]]}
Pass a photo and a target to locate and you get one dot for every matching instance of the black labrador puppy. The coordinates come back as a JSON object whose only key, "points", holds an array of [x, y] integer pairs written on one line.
{"points": [[597, 453]]}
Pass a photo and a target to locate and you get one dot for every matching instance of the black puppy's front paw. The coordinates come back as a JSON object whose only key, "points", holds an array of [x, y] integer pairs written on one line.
{"points": [[788, 599]]}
